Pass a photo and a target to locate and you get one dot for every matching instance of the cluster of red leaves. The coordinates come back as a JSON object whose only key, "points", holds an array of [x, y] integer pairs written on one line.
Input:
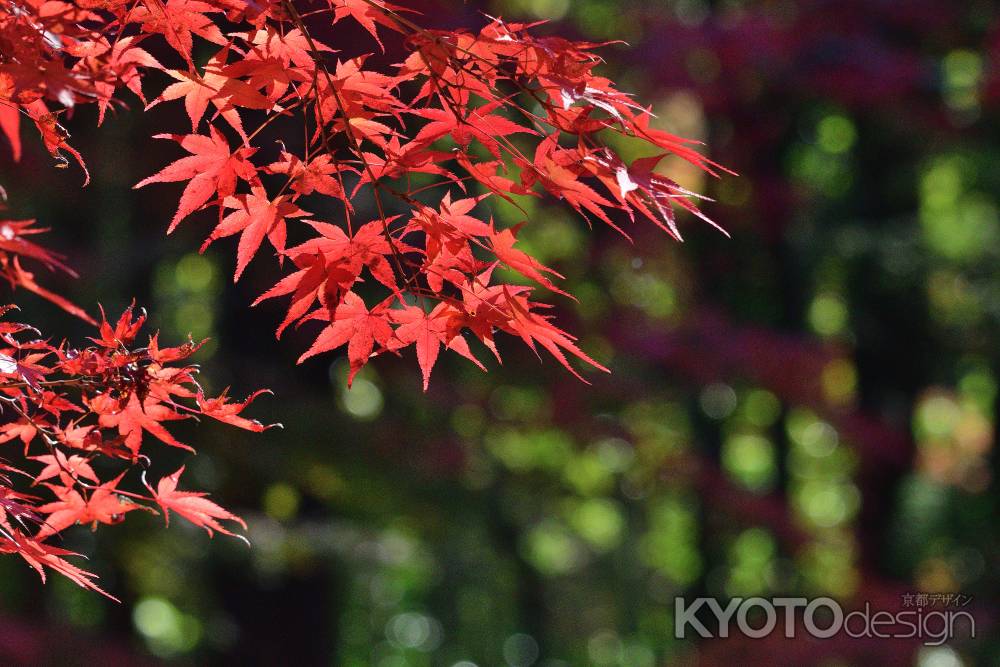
{"points": [[82, 415], [464, 119]]}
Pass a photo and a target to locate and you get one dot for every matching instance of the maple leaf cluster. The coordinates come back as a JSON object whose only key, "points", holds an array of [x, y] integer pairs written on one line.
{"points": [[289, 139], [80, 414], [83, 415], [464, 119]]}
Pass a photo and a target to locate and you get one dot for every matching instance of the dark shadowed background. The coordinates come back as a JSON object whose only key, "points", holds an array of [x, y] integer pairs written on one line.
{"points": [[806, 409]]}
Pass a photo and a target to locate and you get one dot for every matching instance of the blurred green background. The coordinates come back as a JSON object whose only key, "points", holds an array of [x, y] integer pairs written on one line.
{"points": [[806, 409]]}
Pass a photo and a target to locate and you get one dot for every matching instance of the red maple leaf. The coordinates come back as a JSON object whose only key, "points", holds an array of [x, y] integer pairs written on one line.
{"points": [[369, 15], [66, 468], [192, 505], [177, 21], [211, 170], [427, 332], [136, 416], [255, 217], [40, 555], [503, 246], [103, 505], [357, 327], [229, 412], [215, 86]]}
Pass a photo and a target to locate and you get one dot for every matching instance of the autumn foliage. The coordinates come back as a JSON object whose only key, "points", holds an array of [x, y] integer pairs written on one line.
{"points": [[289, 139]]}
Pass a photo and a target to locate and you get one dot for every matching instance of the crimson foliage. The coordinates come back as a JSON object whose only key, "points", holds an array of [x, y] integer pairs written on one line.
{"points": [[462, 120]]}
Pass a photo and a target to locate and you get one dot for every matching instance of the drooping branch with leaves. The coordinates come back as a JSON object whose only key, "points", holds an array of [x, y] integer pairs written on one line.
{"points": [[290, 139]]}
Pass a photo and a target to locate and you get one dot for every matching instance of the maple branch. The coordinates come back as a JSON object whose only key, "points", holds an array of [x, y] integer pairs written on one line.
{"points": [[397, 267]]}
